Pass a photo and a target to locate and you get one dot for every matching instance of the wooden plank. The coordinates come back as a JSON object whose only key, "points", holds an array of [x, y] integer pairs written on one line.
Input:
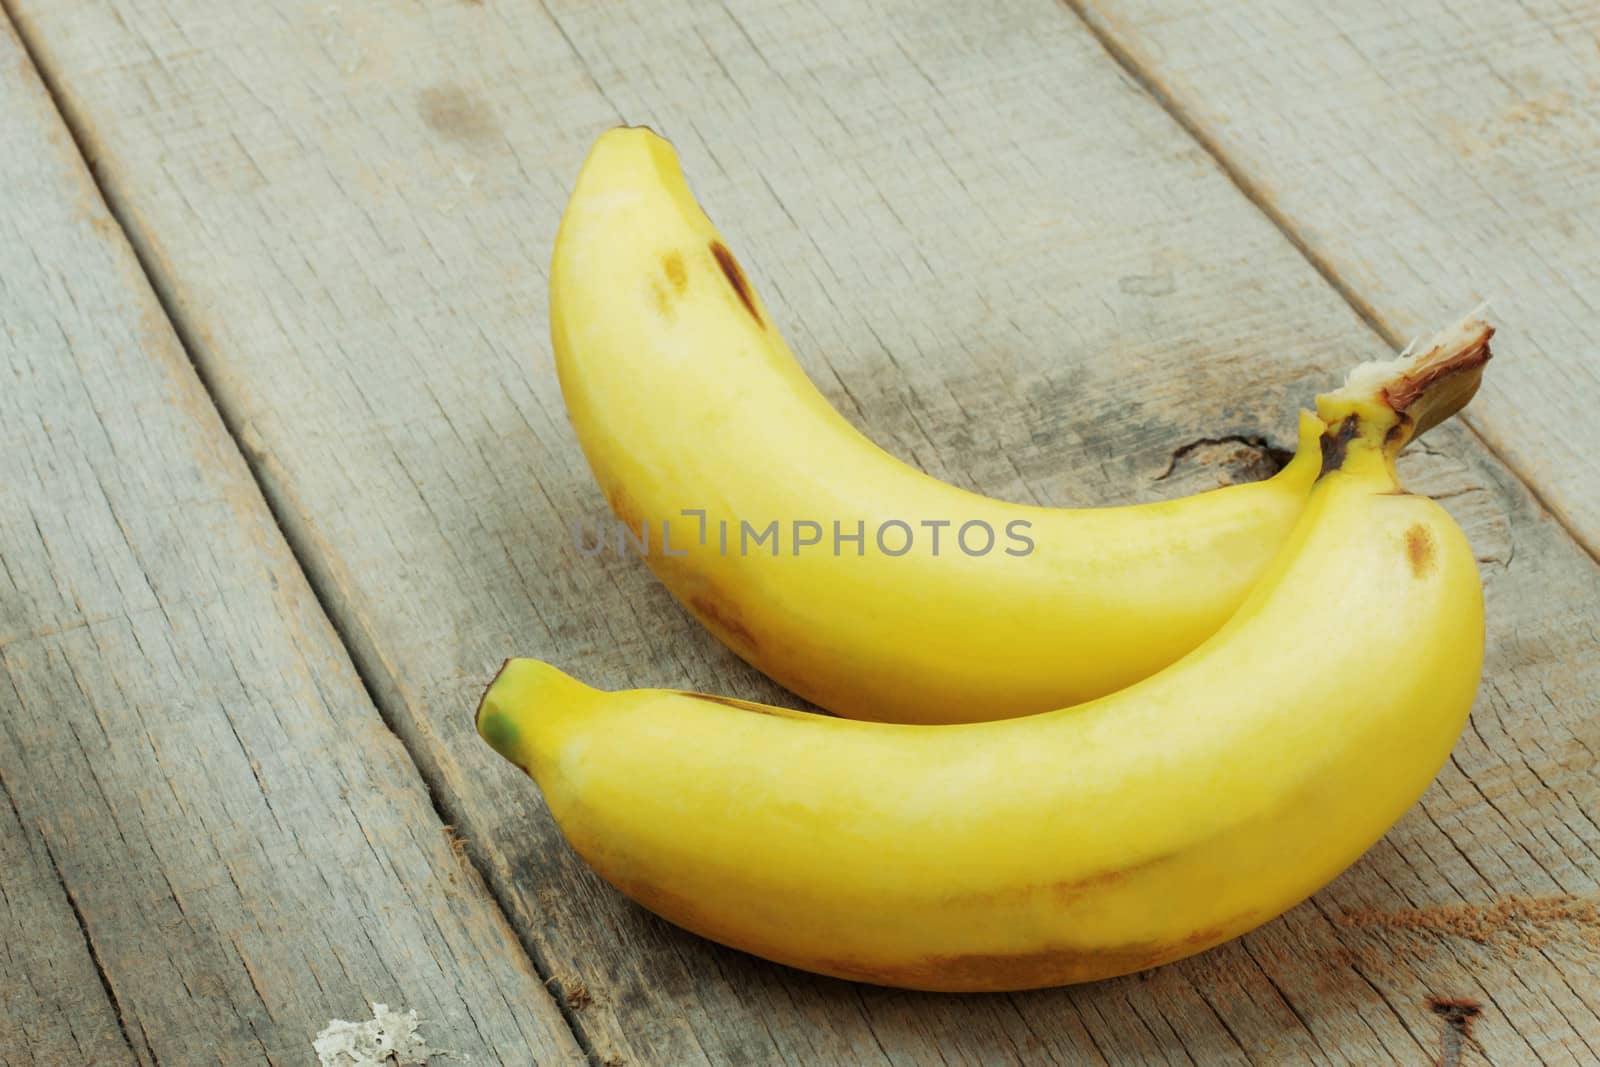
{"points": [[995, 253], [1429, 155], [190, 764], [53, 1009]]}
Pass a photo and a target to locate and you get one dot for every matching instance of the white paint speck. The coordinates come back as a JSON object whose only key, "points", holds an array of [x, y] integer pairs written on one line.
{"points": [[388, 1039]]}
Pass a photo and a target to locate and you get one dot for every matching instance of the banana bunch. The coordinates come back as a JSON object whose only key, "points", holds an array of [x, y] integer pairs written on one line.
{"points": [[1161, 726]]}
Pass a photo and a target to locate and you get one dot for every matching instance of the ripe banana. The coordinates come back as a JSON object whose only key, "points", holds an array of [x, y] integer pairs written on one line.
{"points": [[1075, 844], [880, 592]]}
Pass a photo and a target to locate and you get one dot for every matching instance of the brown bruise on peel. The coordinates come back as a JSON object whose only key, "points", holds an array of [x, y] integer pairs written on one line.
{"points": [[672, 266], [723, 620], [1003, 971], [625, 510], [1399, 433], [663, 298], [1336, 442], [710, 607], [1061, 892], [954, 973], [735, 275], [677, 283], [1419, 549]]}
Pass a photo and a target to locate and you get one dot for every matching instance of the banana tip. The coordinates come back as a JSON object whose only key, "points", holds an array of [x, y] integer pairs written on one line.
{"points": [[492, 721], [523, 709]]}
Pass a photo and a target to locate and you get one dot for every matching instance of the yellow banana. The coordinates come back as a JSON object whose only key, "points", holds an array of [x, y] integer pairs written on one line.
{"points": [[1074, 844], [856, 581]]}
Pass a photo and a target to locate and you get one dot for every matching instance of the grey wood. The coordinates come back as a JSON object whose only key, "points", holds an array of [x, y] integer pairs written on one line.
{"points": [[999, 256], [1429, 155], [191, 767], [53, 1008]]}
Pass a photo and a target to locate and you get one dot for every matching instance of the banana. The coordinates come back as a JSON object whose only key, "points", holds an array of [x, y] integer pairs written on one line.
{"points": [[1075, 844], [863, 585]]}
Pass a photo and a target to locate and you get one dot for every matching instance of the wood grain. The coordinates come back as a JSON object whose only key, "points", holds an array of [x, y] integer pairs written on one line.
{"points": [[994, 252], [1430, 155], [190, 766], [53, 1009]]}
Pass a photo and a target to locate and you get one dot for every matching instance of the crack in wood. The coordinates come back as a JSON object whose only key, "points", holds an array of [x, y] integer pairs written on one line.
{"points": [[88, 940], [1269, 458]]}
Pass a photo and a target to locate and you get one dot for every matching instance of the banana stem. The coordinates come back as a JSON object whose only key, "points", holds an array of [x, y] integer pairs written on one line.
{"points": [[1404, 397]]}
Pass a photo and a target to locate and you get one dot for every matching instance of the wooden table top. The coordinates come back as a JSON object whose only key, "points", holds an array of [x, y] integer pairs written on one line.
{"points": [[285, 474]]}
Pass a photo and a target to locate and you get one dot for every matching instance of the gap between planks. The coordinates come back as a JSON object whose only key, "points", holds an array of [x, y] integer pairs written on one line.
{"points": [[1148, 83], [304, 557]]}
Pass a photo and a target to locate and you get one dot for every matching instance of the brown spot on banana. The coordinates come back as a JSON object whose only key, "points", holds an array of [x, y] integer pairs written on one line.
{"points": [[677, 274], [1336, 441], [968, 972], [663, 298], [667, 292], [1062, 892], [735, 275], [723, 619], [624, 508], [1399, 433], [997, 972], [1419, 549]]}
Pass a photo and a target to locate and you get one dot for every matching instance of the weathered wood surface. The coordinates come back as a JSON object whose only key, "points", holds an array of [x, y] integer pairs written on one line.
{"points": [[53, 1009], [190, 766], [998, 255], [1429, 155]]}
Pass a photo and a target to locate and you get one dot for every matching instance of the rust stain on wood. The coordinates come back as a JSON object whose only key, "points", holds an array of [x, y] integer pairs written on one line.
{"points": [[1511, 923], [1457, 1014]]}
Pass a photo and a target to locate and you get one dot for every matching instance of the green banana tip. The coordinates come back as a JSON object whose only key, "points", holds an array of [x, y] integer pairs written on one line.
{"points": [[491, 719], [525, 709]]}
